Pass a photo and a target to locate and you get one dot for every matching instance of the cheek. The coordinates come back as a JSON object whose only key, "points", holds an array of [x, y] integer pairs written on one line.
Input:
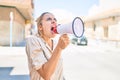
{"points": [[47, 26]]}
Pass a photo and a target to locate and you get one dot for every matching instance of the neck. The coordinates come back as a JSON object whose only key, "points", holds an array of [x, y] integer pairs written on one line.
{"points": [[49, 42], [47, 39]]}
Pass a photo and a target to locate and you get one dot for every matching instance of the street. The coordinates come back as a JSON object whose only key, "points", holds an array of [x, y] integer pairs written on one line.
{"points": [[92, 62]]}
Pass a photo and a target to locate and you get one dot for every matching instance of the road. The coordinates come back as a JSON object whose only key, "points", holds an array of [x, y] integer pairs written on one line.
{"points": [[92, 62]]}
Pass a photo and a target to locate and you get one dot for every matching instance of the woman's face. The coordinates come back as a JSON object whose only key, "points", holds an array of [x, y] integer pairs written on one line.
{"points": [[48, 21]]}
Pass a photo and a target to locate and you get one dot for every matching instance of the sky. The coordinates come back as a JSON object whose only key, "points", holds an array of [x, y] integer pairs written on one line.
{"points": [[66, 8]]}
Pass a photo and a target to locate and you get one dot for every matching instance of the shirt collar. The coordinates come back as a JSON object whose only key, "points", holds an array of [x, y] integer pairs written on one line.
{"points": [[51, 50]]}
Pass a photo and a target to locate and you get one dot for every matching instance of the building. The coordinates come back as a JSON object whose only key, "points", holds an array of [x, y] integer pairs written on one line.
{"points": [[104, 26], [16, 17]]}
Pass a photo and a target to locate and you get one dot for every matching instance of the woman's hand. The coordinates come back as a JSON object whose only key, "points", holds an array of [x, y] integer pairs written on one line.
{"points": [[63, 41]]}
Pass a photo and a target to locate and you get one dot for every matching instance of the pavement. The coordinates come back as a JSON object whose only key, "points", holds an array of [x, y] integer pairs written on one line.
{"points": [[13, 63], [97, 61]]}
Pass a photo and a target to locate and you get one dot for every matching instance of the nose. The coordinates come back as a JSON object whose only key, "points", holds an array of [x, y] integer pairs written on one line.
{"points": [[53, 21]]}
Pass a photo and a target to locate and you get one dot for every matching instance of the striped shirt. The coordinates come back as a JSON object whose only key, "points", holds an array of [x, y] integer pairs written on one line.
{"points": [[38, 52]]}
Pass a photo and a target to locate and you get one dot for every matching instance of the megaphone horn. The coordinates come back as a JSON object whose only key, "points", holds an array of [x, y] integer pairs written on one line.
{"points": [[75, 27]]}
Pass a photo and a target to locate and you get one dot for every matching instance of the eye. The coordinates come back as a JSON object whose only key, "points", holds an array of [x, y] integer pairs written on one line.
{"points": [[55, 19], [49, 19]]}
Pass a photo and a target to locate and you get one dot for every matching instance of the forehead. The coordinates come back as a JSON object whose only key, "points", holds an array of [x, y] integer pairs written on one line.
{"points": [[48, 15]]}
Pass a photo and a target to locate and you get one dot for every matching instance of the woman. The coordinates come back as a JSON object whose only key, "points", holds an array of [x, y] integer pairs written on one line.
{"points": [[44, 57]]}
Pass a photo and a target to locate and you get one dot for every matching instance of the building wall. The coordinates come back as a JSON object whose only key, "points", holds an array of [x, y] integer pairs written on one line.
{"points": [[18, 26], [22, 20], [114, 32], [108, 32]]}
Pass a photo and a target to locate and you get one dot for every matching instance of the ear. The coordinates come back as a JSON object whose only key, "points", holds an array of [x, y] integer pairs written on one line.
{"points": [[40, 27]]}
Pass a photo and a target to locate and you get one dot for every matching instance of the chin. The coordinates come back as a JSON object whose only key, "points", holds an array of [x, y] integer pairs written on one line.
{"points": [[53, 35]]}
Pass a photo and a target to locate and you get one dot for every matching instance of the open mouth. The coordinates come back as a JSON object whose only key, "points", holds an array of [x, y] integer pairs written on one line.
{"points": [[54, 29]]}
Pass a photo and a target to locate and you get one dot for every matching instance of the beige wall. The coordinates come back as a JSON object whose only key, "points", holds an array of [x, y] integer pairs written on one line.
{"points": [[114, 32], [110, 32], [22, 12], [18, 31], [5, 15]]}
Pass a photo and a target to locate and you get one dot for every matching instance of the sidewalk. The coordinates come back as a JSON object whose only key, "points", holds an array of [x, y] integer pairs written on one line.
{"points": [[79, 62], [13, 63]]}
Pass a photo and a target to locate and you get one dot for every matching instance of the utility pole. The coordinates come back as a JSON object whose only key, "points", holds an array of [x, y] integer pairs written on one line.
{"points": [[11, 25]]}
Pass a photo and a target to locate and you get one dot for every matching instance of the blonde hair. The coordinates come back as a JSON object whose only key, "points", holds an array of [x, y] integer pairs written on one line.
{"points": [[39, 19]]}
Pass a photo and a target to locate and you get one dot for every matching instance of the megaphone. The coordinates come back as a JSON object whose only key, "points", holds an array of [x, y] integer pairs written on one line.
{"points": [[75, 27]]}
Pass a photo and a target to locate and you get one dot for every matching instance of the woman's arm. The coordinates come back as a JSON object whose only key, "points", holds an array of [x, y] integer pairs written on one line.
{"points": [[49, 67]]}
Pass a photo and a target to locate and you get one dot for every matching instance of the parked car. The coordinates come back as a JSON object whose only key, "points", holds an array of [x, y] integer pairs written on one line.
{"points": [[79, 41]]}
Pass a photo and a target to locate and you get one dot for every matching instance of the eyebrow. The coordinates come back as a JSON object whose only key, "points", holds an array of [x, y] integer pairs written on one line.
{"points": [[51, 19]]}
